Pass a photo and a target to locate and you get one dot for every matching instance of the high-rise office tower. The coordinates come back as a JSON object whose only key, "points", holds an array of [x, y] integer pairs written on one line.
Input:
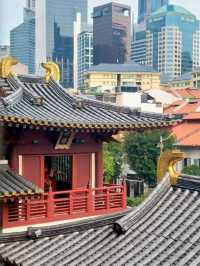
{"points": [[111, 29], [85, 55], [54, 34], [171, 42], [147, 7], [22, 41], [30, 4]]}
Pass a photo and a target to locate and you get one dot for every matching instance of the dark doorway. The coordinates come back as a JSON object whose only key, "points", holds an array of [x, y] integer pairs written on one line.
{"points": [[58, 173]]}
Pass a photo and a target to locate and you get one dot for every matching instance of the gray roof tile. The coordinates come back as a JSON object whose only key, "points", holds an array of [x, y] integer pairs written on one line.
{"points": [[12, 184], [164, 230], [40, 104]]}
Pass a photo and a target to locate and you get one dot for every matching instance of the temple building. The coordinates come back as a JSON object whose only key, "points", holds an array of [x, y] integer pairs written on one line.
{"points": [[55, 208]]}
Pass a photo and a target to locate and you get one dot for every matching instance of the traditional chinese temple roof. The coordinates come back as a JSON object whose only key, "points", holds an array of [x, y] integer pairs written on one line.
{"points": [[12, 184], [164, 230], [30, 101]]}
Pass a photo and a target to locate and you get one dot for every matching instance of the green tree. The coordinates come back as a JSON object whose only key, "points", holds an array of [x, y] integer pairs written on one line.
{"points": [[143, 151], [192, 170], [112, 160]]}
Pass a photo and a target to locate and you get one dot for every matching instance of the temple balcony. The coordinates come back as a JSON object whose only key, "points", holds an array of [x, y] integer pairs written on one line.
{"points": [[63, 205]]}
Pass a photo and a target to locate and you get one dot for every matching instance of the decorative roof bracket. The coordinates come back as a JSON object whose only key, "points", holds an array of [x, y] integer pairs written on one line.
{"points": [[6, 65], [167, 162], [52, 71]]}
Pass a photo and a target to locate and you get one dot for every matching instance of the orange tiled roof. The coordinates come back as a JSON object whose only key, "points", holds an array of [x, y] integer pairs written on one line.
{"points": [[187, 134], [186, 93], [183, 107]]}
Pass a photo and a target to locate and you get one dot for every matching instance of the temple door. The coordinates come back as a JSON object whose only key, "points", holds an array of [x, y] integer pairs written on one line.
{"points": [[83, 173], [32, 168]]}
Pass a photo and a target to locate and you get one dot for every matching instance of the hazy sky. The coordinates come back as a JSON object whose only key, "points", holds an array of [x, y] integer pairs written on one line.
{"points": [[11, 12]]}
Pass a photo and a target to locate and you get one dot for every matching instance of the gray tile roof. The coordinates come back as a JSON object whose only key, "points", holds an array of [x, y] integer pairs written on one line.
{"points": [[164, 230], [31, 101], [129, 67], [11, 184]]}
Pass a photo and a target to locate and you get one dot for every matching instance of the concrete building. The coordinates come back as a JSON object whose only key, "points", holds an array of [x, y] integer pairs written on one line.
{"points": [[112, 29], [172, 41], [4, 50], [30, 4], [132, 97], [55, 33], [85, 56], [147, 7], [196, 78], [107, 77]]}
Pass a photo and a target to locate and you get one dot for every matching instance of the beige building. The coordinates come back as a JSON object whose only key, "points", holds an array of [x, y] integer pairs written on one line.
{"points": [[187, 80], [106, 77]]}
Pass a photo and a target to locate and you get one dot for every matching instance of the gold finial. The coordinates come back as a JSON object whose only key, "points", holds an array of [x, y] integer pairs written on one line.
{"points": [[5, 66], [167, 162], [52, 71]]}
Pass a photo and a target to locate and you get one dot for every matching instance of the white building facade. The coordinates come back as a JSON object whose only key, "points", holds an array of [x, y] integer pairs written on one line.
{"points": [[85, 56]]}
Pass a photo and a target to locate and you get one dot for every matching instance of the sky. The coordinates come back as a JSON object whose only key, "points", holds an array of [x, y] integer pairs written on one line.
{"points": [[11, 12]]}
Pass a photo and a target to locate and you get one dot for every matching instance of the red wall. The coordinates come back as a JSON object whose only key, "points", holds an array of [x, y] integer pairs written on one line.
{"points": [[33, 164]]}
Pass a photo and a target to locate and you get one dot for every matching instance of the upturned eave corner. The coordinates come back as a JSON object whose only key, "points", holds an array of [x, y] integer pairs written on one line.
{"points": [[167, 163], [52, 71], [6, 66]]}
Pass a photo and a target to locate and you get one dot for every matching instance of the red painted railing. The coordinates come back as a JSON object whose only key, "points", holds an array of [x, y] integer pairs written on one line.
{"points": [[55, 206]]}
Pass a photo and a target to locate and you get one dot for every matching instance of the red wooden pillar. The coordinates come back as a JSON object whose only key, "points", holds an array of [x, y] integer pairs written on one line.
{"points": [[4, 215]]}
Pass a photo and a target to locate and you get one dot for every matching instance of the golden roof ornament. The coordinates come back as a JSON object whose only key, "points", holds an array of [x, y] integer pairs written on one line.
{"points": [[52, 71], [5, 66], [167, 163]]}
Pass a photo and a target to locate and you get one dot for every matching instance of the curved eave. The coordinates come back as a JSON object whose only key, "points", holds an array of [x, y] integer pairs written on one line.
{"points": [[13, 120], [14, 194]]}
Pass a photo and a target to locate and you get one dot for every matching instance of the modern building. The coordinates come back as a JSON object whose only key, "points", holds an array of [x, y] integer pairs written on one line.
{"points": [[132, 97], [172, 41], [85, 56], [22, 43], [139, 45], [55, 34], [4, 50], [30, 4], [112, 30], [147, 7], [107, 77]]}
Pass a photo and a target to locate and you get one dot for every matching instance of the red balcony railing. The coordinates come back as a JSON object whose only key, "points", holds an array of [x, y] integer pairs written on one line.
{"points": [[55, 206]]}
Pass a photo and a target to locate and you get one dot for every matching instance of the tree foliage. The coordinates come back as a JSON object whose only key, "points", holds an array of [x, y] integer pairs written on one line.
{"points": [[112, 161], [192, 170], [143, 151]]}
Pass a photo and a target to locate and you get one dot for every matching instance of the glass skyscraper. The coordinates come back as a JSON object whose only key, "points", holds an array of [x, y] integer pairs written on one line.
{"points": [[171, 42], [22, 40], [85, 55], [54, 34], [147, 7]]}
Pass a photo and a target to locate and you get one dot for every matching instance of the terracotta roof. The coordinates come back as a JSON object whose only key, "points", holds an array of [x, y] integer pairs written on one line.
{"points": [[192, 116], [187, 134], [183, 107], [28, 100], [185, 93], [11, 184], [164, 230]]}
